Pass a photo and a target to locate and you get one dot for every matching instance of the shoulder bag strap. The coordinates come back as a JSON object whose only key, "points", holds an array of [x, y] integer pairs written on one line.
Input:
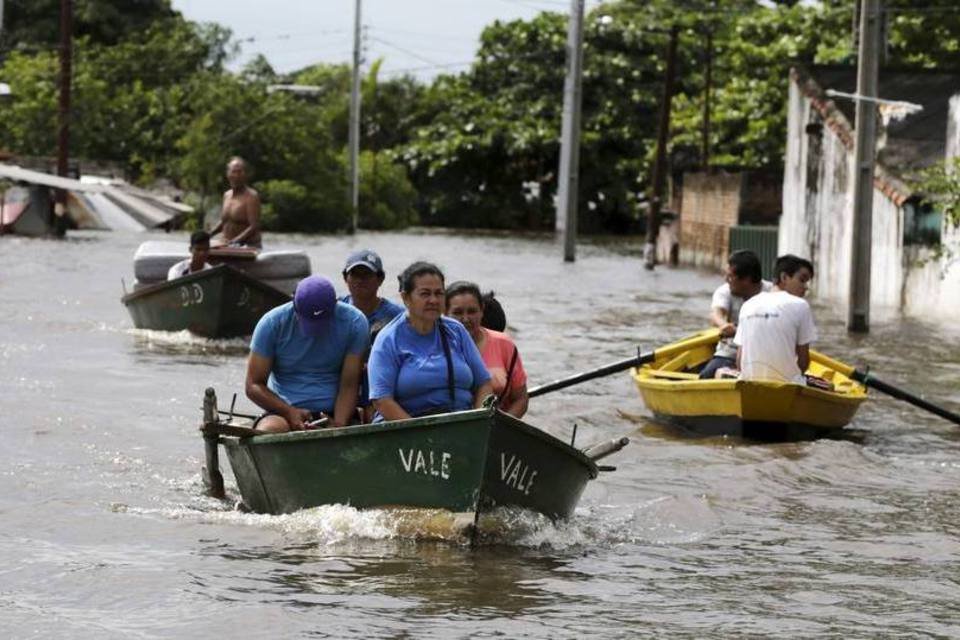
{"points": [[446, 353]]}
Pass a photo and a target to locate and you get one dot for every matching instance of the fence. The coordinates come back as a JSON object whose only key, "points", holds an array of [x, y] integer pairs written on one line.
{"points": [[762, 240]]}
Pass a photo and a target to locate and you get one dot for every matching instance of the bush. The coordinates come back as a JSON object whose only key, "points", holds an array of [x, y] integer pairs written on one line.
{"points": [[290, 206], [387, 198]]}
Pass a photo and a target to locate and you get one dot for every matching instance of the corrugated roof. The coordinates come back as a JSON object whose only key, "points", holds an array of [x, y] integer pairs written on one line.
{"points": [[105, 204]]}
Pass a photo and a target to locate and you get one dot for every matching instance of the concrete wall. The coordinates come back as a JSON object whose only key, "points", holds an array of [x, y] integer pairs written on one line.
{"points": [[817, 219], [933, 283]]}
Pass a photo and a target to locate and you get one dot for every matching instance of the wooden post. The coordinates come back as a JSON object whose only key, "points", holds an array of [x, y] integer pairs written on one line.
{"points": [[659, 178], [858, 318], [705, 141], [212, 477]]}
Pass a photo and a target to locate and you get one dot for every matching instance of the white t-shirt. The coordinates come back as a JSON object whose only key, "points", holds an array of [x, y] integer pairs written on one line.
{"points": [[182, 268], [772, 325], [724, 299]]}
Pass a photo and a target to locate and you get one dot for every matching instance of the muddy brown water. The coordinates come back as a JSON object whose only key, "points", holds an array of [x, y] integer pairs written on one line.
{"points": [[104, 532]]}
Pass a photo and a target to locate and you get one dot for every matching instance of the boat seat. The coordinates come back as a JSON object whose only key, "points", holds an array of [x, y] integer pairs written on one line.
{"points": [[674, 375]]}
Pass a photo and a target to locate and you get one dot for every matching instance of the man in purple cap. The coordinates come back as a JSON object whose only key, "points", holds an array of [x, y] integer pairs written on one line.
{"points": [[306, 359], [363, 274]]}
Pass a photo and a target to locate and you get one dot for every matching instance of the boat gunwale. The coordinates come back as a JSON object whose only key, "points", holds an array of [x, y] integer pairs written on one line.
{"points": [[645, 380], [291, 437], [199, 276]]}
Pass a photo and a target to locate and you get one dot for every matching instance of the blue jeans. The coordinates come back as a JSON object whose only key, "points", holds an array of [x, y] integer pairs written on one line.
{"points": [[716, 362]]}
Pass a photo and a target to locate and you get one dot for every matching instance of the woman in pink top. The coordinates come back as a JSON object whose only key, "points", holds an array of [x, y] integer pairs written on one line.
{"points": [[465, 303]]}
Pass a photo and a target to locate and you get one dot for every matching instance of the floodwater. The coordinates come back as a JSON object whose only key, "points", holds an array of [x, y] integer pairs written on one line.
{"points": [[105, 533]]}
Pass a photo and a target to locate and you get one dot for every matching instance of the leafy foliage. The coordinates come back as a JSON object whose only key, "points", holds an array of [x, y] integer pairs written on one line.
{"points": [[477, 149], [940, 186], [35, 24]]}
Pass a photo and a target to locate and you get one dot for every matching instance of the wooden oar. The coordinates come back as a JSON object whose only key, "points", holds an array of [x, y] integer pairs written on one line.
{"points": [[696, 340], [868, 380]]}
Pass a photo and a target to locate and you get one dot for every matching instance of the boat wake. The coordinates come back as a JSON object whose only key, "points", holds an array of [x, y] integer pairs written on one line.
{"points": [[178, 342], [662, 521]]}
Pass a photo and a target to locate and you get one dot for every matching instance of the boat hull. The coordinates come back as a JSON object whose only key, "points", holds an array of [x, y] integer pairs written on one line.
{"points": [[465, 462], [214, 303], [759, 409]]}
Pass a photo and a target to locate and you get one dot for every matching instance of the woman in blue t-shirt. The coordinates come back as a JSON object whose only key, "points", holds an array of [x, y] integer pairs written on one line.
{"points": [[422, 362]]}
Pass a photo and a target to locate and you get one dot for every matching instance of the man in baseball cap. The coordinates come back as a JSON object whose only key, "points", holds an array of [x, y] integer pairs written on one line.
{"points": [[363, 274], [306, 359]]}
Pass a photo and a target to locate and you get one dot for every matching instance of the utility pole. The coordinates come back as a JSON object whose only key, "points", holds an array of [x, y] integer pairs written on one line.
{"points": [[63, 111], [708, 85], [354, 142], [568, 184], [858, 318], [660, 161]]}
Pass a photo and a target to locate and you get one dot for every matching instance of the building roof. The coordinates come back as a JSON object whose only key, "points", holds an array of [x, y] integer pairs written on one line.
{"points": [[916, 141]]}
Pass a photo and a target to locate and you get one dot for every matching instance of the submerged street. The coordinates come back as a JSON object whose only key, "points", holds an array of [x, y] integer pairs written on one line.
{"points": [[105, 532]]}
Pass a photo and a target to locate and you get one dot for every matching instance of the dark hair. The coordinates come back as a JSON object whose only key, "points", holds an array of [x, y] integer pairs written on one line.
{"points": [[199, 237], [416, 270], [461, 287], [745, 264], [788, 265], [493, 316]]}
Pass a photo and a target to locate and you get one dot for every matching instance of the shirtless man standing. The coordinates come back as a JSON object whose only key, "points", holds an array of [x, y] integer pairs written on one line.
{"points": [[240, 216]]}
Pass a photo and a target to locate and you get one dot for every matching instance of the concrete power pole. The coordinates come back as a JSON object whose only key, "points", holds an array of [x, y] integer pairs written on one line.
{"points": [[354, 142], [659, 178], [858, 318], [568, 185], [63, 110]]}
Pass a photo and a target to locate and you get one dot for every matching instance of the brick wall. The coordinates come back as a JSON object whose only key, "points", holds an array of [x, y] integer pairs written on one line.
{"points": [[713, 202], [710, 206]]}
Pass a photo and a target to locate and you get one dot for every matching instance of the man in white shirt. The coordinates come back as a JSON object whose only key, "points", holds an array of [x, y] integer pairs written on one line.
{"points": [[742, 281], [776, 327], [199, 252]]}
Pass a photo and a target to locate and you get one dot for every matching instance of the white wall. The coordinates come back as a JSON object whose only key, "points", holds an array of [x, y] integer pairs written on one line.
{"points": [[794, 225], [933, 284], [817, 220]]}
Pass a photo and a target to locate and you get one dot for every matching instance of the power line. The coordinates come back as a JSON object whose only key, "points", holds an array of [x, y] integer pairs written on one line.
{"points": [[410, 53], [427, 34], [290, 36]]}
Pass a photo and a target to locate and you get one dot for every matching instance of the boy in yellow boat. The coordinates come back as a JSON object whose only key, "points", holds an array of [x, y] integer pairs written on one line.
{"points": [[743, 280], [776, 327]]}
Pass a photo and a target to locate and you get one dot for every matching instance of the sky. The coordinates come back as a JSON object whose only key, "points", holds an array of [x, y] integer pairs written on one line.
{"points": [[420, 37]]}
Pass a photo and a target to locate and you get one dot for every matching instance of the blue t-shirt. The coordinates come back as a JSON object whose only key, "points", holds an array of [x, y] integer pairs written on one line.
{"points": [[306, 370], [412, 369], [383, 314], [381, 317]]}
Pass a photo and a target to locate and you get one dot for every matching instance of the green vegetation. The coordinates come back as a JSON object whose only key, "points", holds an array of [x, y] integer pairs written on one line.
{"points": [[477, 149], [940, 184]]}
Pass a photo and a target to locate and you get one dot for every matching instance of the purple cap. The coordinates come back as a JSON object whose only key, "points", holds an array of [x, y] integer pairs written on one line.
{"points": [[315, 302]]}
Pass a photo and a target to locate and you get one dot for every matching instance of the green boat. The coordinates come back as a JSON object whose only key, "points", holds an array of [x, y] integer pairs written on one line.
{"points": [[466, 462], [221, 302]]}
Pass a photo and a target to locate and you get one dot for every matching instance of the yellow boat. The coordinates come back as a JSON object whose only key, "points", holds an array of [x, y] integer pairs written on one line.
{"points": [[762, 409]]}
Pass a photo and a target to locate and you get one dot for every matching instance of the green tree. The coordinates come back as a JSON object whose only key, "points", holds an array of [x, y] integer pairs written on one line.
{"points": [[35, 24], [490, 153], [387, 199]]}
